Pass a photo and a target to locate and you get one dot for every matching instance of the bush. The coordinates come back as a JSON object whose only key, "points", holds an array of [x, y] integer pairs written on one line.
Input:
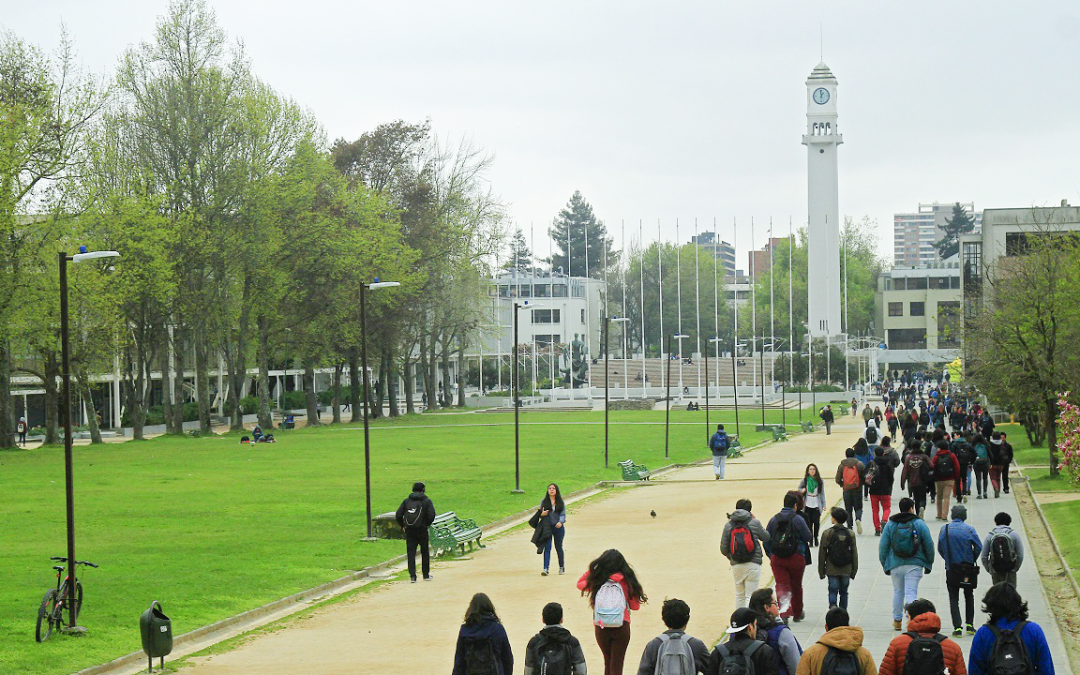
{"points": [[154, 415], [191, 411], [292, 400], [249, 405], [326, 397]]}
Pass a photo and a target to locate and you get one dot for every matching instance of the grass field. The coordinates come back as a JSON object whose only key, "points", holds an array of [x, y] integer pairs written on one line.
{"points": [[211, 528]]}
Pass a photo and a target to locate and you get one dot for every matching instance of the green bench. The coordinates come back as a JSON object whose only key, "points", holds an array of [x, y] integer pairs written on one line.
{"points": [[843, 410], [807, 426], [735, 448], [631, 471], [448, 533], [779, 433]]}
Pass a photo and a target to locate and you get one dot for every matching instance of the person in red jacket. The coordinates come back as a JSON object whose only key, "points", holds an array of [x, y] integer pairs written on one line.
{"points": [[613, 640], [923, 622], [945, 469]]}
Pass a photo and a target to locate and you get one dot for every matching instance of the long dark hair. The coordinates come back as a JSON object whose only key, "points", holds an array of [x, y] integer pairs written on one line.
{"points": [[480, 610], [861, 447], [560, 505], [601, 569], [817, 474], [759, 601], [1003, 602]]}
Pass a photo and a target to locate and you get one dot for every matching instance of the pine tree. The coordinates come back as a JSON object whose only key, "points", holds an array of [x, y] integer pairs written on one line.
{"points": [[589, 245], [960, 223], [520, 255]]}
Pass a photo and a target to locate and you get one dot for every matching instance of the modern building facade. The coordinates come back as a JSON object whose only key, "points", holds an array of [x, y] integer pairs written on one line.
{"points": [[919, 310], [722, 250], [914, 234]]}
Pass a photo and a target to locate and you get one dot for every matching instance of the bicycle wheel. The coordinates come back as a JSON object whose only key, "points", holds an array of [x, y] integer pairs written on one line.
{"points": [[45, 616], [78, 599]]}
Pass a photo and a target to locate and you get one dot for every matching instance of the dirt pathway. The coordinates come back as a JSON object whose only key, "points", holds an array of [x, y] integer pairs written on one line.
{"points": [[402, 627]]}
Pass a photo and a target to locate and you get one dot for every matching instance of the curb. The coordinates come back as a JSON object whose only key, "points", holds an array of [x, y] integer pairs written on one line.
{"points": [[1053, 540]]}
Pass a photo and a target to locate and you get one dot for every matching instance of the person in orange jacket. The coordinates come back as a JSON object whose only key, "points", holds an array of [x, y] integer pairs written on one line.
{"points": [[925, 625]]}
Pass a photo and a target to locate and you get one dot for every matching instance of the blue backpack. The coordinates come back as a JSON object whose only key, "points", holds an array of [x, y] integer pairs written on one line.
{"points": [[719, 442]]}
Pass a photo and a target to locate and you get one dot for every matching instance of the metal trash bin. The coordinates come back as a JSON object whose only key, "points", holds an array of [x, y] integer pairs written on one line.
{"points": [[156, 631]]}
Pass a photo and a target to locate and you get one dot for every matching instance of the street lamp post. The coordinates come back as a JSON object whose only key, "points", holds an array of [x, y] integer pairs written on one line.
{"points": [[607, 331], [667, 392], [715, 341], [65, 366], [761, 367], [735, 378], [364, 288]]}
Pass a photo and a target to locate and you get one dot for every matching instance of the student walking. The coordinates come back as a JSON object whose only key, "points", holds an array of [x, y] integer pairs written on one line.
{"points": [[719, 444], [923, 649], [742, 543], [742, 649], [849, 476], [1006, 460], [1003, 550], [959, 547], [415, 516], [839, 650], [554, 649], [838, 558], [482, 645], [999, 467], [774, 632], [786, 547], [828, 418], [946, 470], [997, 639], [673, 651], [22, 427], [880, 476], [553, 509], [613, 590], [917, 474], [906, 551], [812, 488]]}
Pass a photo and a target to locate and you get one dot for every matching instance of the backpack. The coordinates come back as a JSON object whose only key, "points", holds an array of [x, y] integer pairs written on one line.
{"points": [[787, 543], [609, 605], [742, 544], [982, 454], [924, 655], [414, 514], [735, 662], [904, 541], [839, 551], [871, 473], [1009, 655], [839, 662], [943, 467], [918, 470], [674, 656], [1002, 553], [553, 658], [851, 477], [719, 442], [480, 657]]}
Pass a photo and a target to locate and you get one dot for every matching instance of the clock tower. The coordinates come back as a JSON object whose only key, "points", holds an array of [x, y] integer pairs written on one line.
{"points": [[823, 215]]}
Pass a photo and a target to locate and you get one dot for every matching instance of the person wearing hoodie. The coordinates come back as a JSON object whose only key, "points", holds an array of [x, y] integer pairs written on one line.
{"points": [[1001, 560], [772, 630], [415, 516], [906, 551], [553, 637], [812, 488], [923, 623], [828, 418], [742, 543], [959, 547], [789, 539], [849, 476], [676, 614], [482, 638], [838, 558], [882, 471], [963, 449], [998, 466], [841, 642], [612, 640], [1008, 611], [742, 640], [946, 472], [916, 475]]}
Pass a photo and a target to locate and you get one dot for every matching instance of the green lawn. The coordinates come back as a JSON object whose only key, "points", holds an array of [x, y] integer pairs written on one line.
{"points": [[212, 528], [1064, 519]]}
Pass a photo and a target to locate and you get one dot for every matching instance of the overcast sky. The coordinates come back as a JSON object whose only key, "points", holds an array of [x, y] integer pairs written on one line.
{"points": [[675, 110]]}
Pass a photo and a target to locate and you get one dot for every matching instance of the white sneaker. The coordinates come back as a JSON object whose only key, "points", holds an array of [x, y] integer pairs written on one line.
{"points": [[858, 526]]}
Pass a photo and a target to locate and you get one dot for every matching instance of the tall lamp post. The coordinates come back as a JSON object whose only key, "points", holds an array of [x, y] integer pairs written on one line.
{"points": [[515, 380], [761, 367], [607, 331], [715, 341], [667, 393], [65, 366], [364, 288], [735, 378]]}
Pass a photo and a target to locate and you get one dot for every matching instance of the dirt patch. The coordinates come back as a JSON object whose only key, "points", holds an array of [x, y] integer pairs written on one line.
{"points": [[1056, 497], [1064, 604]]}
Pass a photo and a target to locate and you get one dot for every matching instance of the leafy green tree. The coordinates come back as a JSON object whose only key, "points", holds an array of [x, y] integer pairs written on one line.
{"points": [[519, 256], [582, 241], [959, 224]]}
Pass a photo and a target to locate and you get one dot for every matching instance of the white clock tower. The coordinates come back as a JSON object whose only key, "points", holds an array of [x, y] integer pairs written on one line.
{"points": [[823, 217]]}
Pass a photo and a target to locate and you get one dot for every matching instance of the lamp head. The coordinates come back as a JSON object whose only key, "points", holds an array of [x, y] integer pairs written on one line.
{"points": [[83, 254]]}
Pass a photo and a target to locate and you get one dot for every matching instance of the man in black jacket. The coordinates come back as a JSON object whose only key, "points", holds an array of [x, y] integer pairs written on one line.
{"points": [[554, 644], [415, 516], [743, 644]]}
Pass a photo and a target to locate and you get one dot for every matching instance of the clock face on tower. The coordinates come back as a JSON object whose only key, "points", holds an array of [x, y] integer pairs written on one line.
{"points": [[821, 96]]}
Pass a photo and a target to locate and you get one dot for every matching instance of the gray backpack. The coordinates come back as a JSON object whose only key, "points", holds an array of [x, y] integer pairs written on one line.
{"points": [[675, 656]]}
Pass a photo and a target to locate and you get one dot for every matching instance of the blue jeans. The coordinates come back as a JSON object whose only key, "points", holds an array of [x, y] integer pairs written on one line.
{"points": [[719, 462], [557, 536], [905, 583], [838, 585]]}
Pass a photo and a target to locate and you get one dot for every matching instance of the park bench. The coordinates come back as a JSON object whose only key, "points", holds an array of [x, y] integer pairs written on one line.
{"points": [[735, 448], [631, 471], [779, 433], [807, 426], [449, 533], [843, 410]]}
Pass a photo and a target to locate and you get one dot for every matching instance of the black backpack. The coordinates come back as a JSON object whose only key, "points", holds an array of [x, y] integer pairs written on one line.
{"points": [[839, 662], [553, 658], [943, 467], [839, 551], [733, 662], [924, 655], [787, 543], [480, 657], [1002, 553], [1009, 656], [414, 514]]}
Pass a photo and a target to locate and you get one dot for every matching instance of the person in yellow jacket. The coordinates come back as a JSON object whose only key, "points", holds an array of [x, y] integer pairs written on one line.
{"points": [[840, 643]]}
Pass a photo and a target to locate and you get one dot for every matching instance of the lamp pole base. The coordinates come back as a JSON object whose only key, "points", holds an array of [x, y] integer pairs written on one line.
{"points": [[517, 492], [369, 539], [75, 631]]}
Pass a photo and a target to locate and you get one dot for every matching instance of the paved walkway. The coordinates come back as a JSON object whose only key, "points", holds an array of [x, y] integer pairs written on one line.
{"points": [[402, 627]]}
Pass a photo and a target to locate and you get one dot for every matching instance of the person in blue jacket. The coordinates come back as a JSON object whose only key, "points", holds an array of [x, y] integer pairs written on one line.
{"points": [[1008, 611], [906, 551], [483, 638], [959, 546]]}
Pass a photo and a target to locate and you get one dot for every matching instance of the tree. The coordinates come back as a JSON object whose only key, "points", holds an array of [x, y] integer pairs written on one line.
{"points": [[960, 223], [582, 240], [519, 257]]}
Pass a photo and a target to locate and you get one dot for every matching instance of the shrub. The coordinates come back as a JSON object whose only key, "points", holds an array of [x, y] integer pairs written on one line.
{"points": [[292, 400], [191, 411], [1068, 437], [249, 405]]}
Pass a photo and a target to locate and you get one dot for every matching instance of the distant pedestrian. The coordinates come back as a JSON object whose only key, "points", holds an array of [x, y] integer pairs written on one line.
{"points": [[946, 471], [828, 418], [415, 516], [917, 474], [613, 589], [1003, 550], [554, 649], [719, 444], [838, 558], [839, 650], [1006, 461], [849, 476], [998, 466], [743, 649], [923, 649], [812, 488], [21, 427], [997, 639], [772, 630], [788, 540], [867, 414], [674, 651], [959, 546], [482, 645], [906, 552], [553, 508], [854, 407], [880, 476], [742, 543]]}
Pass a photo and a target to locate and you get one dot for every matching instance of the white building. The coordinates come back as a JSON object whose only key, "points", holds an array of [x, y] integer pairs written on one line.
{"points": [[914, 234]]}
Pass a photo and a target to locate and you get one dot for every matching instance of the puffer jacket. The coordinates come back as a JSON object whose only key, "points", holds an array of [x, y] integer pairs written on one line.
{"points": [[744, 517], [926, 625], [924, 555], [844, 638]]}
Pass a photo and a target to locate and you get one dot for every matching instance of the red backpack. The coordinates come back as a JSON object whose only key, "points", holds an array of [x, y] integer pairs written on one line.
{"points": [[851, 478], [742, 544]]}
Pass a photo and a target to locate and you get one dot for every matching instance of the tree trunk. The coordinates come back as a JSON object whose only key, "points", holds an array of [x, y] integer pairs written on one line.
{"points": [[355, 380], [410, 384], [461, 374], [135, 378], [336, 400], [178, 385], [82, 385], [392, 384], [266, 420], [236, 366], [7, 404], [309, 394], [1051, 433], [166, 387], [447, 390], [52, 398], [377, 391], [202, 379]]}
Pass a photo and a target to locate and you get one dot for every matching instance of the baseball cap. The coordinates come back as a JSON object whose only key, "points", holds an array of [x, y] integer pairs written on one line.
{"points": [[741, 619]]}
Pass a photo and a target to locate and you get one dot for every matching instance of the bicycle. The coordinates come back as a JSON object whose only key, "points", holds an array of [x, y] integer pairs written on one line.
{"points": [[51, 612]]}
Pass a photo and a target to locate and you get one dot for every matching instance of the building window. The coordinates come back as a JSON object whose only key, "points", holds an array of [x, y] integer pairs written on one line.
{"points": [[916, 284], [907, 338], [558, 290], [948, 321], [545, 316], [900, 284], [545, 340], [896, 309], [582, 316], [918, 309]]}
